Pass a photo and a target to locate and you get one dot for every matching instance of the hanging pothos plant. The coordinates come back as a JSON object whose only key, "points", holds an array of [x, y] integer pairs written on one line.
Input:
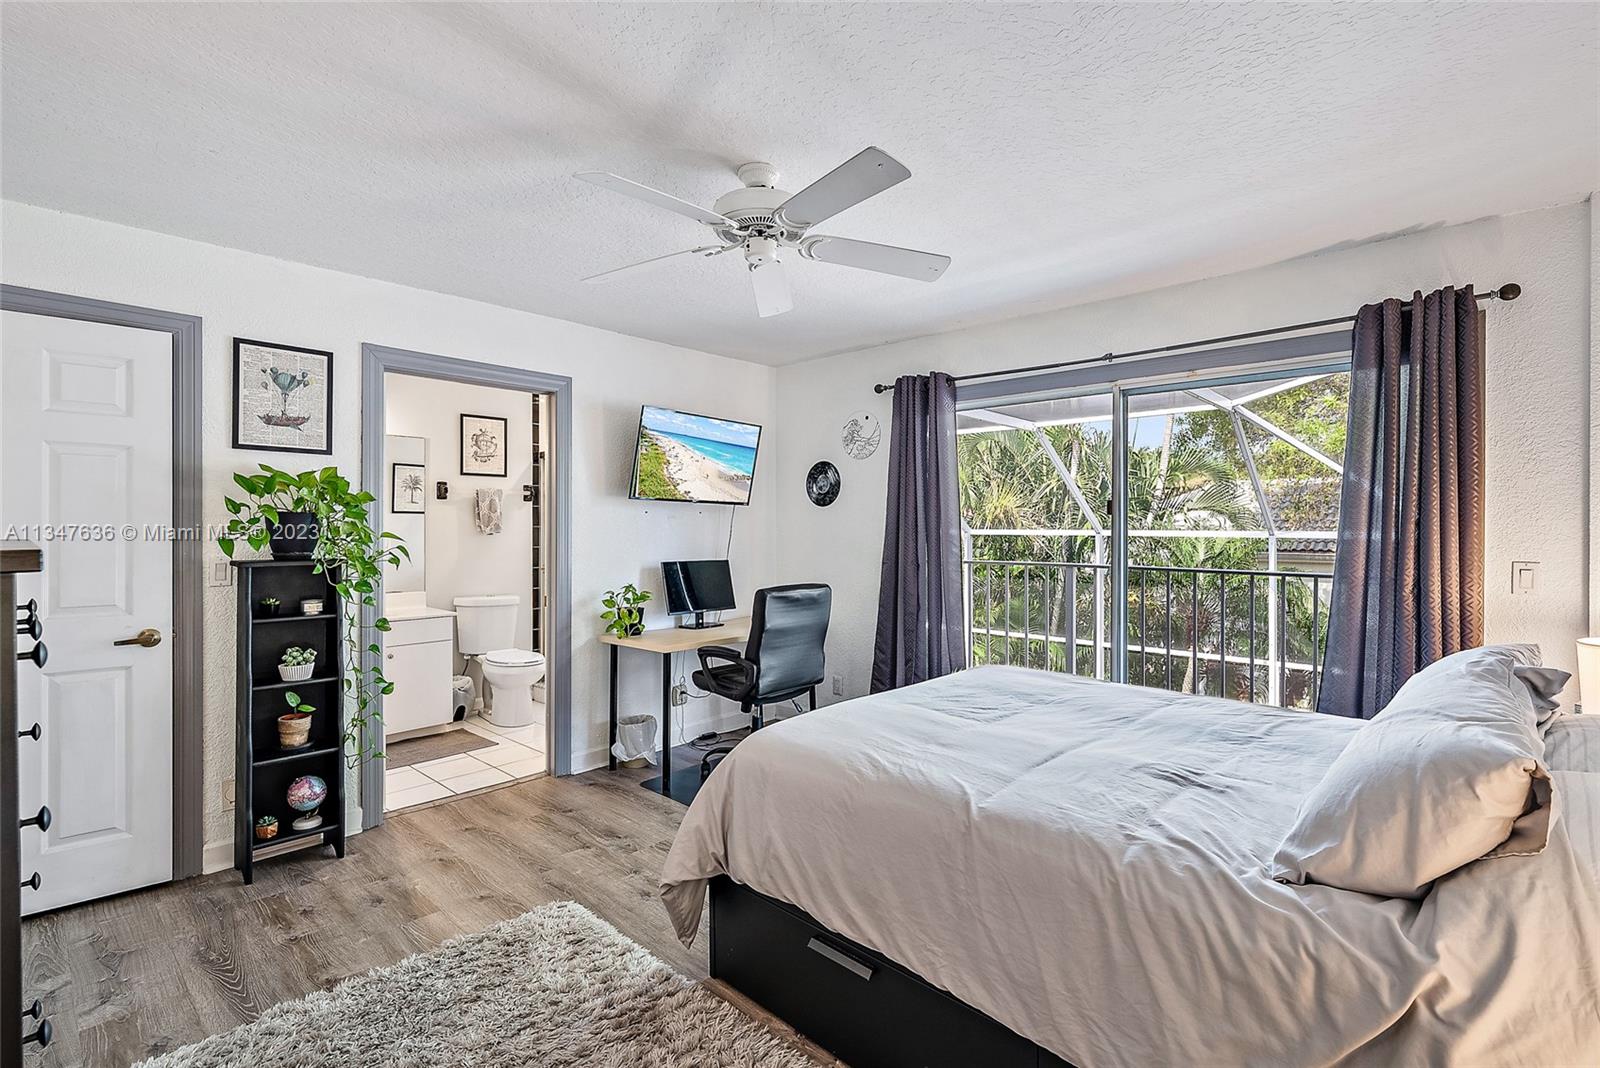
{"points": [[348, 549]]}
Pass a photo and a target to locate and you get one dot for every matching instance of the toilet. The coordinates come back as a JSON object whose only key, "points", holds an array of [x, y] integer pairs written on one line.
{"points": [[486, 627]]}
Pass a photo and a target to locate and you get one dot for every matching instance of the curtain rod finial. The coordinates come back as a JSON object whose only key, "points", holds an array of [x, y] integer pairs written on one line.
{"points": [[1509, 291], [881, 388]]}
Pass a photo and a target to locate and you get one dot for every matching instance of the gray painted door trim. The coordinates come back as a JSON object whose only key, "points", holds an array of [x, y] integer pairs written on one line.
{"points": [[188, 662], [376, 361]]}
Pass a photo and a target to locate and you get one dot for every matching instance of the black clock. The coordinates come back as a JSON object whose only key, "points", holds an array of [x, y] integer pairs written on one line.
{"points": [[822, 483]]}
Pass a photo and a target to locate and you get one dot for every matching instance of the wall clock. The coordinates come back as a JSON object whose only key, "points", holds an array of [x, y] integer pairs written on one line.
{"points": [[861, 434], [822, 483]]}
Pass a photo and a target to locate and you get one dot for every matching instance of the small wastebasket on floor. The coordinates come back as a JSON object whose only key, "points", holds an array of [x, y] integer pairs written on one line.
{"points": [[460, 696], [636, 741]]}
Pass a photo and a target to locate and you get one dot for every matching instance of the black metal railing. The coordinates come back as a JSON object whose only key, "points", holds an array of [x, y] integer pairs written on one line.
{"points": [[1248, 635]]}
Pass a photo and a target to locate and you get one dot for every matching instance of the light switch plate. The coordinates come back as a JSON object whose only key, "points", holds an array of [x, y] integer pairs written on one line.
{"points": [[221, 573], [1524, 576]]}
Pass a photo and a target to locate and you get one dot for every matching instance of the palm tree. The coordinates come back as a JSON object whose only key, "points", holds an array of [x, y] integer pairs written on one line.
{"points": [[1009, 482]]}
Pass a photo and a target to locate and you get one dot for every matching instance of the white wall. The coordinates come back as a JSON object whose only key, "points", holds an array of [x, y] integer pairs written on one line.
{"points": [[614, 539], [1538, 376], [460, 561]]}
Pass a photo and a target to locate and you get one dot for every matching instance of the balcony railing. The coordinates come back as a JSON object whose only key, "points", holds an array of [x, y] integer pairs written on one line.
{"points": [[1247, 635]]}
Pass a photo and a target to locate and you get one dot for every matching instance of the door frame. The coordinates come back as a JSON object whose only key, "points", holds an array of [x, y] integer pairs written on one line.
{"points": [[378, 360], [188, 624]]}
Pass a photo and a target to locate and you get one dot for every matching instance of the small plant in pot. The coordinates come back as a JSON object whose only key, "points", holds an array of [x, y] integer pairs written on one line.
{"points": [[294, 727], [297, 664], [267, 827], [624, 610], [270, 606]]}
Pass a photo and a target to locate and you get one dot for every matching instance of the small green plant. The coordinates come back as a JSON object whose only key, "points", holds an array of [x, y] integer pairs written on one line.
{"points": [[297, 706], [624, 612], [297, 656], [270, 602], [267, 821]]}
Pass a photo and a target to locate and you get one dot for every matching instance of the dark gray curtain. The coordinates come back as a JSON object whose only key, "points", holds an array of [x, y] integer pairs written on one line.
{"points": [[921, 629], [1408, 571]]}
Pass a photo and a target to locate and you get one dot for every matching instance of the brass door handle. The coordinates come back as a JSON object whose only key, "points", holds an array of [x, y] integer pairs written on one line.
{"points": [[149, 638]]}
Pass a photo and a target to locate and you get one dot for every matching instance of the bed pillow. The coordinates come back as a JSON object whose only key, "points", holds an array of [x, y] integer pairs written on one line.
{"points": [[1450, 771]]}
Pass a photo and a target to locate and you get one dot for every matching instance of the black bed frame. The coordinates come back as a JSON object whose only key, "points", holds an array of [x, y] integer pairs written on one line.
{"points": [[851, 1000]]}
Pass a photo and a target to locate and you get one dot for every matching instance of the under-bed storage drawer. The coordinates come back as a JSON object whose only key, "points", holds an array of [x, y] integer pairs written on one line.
{"points": [[858, 1005]]}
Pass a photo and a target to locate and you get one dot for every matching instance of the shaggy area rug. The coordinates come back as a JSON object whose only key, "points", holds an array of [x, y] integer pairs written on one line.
{"points": [[557, 986]]}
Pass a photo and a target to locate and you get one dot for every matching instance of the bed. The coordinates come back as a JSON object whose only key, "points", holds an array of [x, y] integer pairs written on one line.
{"points": [[1081, 866]]}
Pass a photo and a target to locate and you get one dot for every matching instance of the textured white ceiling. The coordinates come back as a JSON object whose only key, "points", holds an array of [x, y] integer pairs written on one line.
{"points": [[1058, 152]]}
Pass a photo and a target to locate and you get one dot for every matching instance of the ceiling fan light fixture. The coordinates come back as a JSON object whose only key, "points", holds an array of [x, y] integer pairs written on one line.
{"points": [[760, 219]]}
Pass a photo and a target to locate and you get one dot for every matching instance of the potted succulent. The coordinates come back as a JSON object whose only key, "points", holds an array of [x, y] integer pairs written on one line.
{"points": [[348, 548], [269, 606], [294, 727], [297, 664], [267, 827], [624, 610]]}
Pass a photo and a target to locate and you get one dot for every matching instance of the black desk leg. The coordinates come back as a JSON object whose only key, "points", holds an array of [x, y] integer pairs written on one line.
{"points": [[666, 724], [611, 752]]}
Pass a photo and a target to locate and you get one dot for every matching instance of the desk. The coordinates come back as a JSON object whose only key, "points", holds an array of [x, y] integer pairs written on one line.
{"points": [[665, 642]]}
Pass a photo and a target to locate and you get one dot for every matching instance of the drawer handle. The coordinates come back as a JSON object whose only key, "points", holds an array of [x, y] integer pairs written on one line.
{"points": [[844, 960]]}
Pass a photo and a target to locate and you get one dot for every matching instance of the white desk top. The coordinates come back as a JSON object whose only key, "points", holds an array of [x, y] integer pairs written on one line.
{"points": [[679, 639]]}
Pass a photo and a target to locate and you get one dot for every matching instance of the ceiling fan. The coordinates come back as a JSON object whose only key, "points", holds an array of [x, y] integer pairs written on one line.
{"points": [[762, 220]]}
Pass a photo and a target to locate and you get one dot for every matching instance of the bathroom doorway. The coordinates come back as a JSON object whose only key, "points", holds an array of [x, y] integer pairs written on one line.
{"points": [[465, 461]]}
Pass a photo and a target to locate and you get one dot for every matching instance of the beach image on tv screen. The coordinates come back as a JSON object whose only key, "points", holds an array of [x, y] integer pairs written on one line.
{"points": [[685, 457]]}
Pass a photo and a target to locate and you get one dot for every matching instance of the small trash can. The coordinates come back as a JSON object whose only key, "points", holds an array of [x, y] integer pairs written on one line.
{"points": [[460, 696], [636, 741]]}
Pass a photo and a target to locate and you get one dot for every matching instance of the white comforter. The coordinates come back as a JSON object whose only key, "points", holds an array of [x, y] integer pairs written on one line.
{"points": [[1084, 863]]}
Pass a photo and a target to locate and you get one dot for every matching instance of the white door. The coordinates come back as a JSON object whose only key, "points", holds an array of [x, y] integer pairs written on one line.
{"points": [[86, 471]]}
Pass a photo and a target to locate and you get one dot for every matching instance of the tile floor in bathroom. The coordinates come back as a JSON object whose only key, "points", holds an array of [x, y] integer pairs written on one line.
{"points": [[517, 752]]}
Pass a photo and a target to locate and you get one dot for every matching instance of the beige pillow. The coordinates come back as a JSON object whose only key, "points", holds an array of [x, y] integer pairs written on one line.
{"points": [[1450, 771]]}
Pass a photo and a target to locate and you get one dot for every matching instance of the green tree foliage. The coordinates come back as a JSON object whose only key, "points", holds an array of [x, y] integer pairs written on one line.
{"points": [[1194, 480]]}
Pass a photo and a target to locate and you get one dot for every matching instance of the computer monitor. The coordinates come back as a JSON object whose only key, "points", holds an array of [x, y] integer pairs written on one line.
{"points": [[695, 587]]}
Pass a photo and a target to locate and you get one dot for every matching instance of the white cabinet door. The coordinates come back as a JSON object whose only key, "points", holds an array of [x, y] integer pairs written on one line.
{"points": [[86, 449], [421, 677]]}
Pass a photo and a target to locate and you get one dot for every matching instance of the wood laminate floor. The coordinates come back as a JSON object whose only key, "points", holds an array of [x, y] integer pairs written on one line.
{"points": [[144, 972]]}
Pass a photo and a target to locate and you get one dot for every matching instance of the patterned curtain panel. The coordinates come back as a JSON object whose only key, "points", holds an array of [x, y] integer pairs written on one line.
{"points": [[1408, 571], [921, 628]]}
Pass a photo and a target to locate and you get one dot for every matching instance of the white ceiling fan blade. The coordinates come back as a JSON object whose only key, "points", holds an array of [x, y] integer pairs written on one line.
{"points": [[654, 196], [772, 289], [885, 259], [703, 250], [866, 174]]}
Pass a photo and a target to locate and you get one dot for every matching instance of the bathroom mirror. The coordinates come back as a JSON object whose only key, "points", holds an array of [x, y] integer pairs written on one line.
{"points": [[411, 492]]}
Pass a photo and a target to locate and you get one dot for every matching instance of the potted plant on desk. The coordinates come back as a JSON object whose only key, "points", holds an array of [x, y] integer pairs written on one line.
{"points": [[624, 610]]}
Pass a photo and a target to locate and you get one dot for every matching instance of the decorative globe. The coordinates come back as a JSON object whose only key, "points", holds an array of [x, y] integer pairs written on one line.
{"points": [[307, 792]]}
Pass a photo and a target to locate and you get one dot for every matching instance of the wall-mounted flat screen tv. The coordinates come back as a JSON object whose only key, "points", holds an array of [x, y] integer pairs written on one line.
{"points": [[685, 457]]}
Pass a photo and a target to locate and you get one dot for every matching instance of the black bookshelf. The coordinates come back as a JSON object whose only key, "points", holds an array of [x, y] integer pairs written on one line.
{"points": [[263, 770]]}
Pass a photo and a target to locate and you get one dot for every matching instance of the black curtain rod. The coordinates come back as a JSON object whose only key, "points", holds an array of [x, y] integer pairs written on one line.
{"points": [[1509, 291]]}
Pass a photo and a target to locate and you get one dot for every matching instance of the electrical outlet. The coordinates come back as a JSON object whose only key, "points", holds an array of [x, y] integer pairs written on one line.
{"points": [[680, 695], [838, 686], [227, 791]]}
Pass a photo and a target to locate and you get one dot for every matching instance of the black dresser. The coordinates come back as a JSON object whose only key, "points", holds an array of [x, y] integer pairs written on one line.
{"points": [[22, 1018]]}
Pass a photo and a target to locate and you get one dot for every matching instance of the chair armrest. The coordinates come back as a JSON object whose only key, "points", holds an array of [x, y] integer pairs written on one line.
{"points": [[708, 653]]}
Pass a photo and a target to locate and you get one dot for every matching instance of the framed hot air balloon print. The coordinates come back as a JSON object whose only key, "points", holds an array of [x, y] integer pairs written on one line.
{"points": [[282, 397]]}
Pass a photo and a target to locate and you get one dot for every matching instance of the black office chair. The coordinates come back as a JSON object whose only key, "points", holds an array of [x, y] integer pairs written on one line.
{"points": [[782, 659]]}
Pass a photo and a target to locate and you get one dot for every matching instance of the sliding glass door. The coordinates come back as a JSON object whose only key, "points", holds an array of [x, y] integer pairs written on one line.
{"points": [[1169, 534]]}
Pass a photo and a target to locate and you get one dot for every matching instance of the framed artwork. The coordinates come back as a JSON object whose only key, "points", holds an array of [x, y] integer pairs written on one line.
{"points": [[282, 397], [407, 483], [483, 445]]}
